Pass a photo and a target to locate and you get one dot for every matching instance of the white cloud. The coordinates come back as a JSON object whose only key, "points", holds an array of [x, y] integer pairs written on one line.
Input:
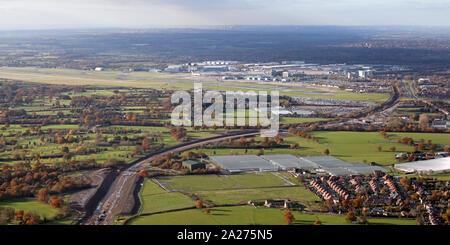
{"points": [[35, 14]]}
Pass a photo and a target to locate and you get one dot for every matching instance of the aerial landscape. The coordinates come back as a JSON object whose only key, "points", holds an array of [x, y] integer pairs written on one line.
{"points": [[92, 131]]}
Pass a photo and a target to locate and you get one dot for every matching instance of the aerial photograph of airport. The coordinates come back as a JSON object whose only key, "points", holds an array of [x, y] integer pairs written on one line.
{"points": [[247, 113]]}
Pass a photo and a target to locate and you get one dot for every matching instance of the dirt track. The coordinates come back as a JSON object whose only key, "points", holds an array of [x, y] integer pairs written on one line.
{"points": [[119, 198]]}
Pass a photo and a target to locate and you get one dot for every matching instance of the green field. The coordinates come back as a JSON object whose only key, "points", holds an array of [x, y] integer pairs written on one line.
{"points": [[119, 152], [30, 205], [155, 199], [297, 193], [346, 145], [293, 120], [193, 183], [247, 215], [168, 81]]}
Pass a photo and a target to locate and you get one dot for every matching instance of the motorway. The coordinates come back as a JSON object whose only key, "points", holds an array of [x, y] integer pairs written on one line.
{"points": [[119, 193]]}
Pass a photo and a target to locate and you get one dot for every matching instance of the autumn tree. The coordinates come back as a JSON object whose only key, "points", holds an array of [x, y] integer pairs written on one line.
{"points": [[350, 217], [143, 174], [424, 120], [326, 152], [19, 214], [146, 144], [199, 204], [289, 217], [43, 195], [56, 202], [260, 152], [31, 218]]}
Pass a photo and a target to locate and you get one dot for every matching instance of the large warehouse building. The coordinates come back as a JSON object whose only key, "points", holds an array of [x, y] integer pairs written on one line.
{"points": [[242, 163], [282, 162], [439, 165]]}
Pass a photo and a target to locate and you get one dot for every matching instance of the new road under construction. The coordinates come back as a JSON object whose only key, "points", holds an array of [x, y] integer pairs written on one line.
{"points": [[115, 195]]}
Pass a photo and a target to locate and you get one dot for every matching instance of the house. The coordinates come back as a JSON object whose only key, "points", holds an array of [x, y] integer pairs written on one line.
{"points": [[440, 124], [255, 203], [275, 203], [401, 155], [193, 165], [443, 154]]}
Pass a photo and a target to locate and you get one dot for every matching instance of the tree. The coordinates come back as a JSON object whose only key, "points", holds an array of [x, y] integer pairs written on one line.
{"points": [[424, 120], [392, 148], [317, 222], [146, 144], [199, 204], [410, 157], [143, 174], [61, 140], [43, 195], [350, 217], [326, 152], [379, 148], [260, 152], [289, 217], [31, 219], [56, 202], [19, 214], [65, 149]]}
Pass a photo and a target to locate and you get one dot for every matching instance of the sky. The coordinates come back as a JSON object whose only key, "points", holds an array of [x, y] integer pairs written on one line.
{"points": [[72, 14]]}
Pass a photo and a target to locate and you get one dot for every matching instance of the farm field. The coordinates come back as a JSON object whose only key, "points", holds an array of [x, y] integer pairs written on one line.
{"points": [[31, 205], [293, 120], [346, 145], [73, 130], [297, 193], [246, 215], [218, 190], [155, 199]]}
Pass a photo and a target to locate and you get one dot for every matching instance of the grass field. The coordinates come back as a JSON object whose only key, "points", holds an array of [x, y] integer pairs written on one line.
{"points": [[247, 215], [168, 81], [293, 120], [30, 205], [297, 193], [120, 152], [60, 222], [193, 183], [155, 199], [348, 146]]}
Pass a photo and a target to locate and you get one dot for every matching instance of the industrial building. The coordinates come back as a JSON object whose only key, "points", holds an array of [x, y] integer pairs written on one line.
{"points": [[193, 165], [282, 162], [242, 163], [438, 165]]}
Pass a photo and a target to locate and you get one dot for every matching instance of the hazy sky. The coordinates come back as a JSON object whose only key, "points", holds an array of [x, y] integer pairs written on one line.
{"points": [[47, 14]]}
